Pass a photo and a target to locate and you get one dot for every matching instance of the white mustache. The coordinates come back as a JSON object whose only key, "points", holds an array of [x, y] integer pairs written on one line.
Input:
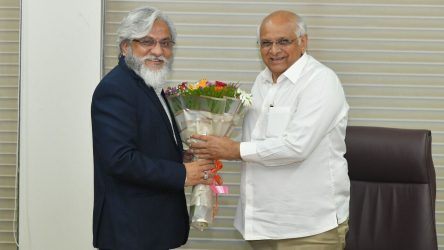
{"points": [[155, 58]]}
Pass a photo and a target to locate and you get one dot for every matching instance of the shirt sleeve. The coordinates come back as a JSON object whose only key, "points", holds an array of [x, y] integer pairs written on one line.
{"points": [[320, 107]]}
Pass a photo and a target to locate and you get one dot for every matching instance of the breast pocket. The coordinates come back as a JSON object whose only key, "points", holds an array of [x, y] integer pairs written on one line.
{"points": [[277, 121]]}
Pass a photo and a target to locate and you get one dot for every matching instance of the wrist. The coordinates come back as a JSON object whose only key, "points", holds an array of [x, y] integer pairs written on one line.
{"points": [[235, 154]]}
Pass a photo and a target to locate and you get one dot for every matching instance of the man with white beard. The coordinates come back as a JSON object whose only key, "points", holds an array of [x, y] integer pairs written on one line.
{"points": [[139, 174]]}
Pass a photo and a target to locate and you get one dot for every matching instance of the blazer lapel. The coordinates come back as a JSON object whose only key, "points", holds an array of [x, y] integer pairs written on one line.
{"points": [[173, 120], [155, 100]]}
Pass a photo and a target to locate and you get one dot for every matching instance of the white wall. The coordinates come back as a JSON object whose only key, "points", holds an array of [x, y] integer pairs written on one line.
{"points": [[60, 60]]}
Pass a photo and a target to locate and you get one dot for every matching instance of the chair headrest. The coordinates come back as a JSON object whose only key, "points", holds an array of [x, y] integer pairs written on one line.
{"points": [[388, 154]]}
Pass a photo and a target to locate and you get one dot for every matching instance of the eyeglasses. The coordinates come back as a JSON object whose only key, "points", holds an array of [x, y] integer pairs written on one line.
{"points": [[149, 43], [281, 43]]}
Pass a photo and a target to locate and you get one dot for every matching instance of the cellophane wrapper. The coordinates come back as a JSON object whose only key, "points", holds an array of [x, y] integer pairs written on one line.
{"points": [[206, 116]]}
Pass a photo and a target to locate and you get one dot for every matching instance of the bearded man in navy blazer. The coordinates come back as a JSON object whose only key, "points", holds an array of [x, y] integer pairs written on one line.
{"points": [[139, 174]]}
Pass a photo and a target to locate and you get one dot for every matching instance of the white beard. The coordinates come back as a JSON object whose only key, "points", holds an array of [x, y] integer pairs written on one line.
{"points": [[153, 78]]}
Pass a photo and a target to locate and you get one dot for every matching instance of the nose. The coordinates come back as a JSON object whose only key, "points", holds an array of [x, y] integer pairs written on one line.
{"points": [[275, 48], [157, 50]]}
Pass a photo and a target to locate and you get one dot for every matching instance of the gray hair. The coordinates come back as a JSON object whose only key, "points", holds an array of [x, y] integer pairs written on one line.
{"points": [[139, 22], [301, 27]]}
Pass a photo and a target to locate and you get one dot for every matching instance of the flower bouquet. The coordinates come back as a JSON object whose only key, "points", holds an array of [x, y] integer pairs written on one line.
{"points": [[207, 108]]}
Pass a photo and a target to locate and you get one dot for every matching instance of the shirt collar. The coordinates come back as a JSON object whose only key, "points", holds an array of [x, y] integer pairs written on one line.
{"points": [[158, 90], [292, 73], [295, 71]]}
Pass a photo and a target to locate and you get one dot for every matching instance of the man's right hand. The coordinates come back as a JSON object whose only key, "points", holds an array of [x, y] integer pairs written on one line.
{"points": [[196, 172]]}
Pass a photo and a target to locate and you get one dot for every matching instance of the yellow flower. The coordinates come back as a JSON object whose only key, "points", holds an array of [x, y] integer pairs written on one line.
{"points": [[202, 83], [193, 86]]}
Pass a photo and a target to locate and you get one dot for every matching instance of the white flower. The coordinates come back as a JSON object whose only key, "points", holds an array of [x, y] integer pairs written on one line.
{"points": [[246, 98]]}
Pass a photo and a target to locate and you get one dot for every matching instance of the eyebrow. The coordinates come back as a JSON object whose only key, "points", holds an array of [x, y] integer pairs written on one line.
{"points": [[152, 38], [280, 38]]}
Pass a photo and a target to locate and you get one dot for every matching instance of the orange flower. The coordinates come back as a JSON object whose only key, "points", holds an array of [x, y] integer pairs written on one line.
{"points": [[218, 88]]}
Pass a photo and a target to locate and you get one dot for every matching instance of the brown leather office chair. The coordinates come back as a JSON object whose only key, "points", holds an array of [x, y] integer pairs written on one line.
{"points": [[393, 189]]}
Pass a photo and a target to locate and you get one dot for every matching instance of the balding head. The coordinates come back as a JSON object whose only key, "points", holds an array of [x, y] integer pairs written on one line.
{"points": [[282, 41], [285, 16]]}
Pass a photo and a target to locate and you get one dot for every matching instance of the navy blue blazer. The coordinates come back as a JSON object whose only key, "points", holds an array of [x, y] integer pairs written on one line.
{"points": [[139, 200]]}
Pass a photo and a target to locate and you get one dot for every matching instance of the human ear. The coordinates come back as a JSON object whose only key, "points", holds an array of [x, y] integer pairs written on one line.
{"points": [[124, 47], [304, 43]]}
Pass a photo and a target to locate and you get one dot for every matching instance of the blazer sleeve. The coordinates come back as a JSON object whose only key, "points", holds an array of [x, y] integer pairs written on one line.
{"points": [[115, 135]]}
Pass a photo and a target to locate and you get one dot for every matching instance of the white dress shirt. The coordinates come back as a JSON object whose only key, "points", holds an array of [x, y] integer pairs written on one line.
{"points": [[294, 178]]}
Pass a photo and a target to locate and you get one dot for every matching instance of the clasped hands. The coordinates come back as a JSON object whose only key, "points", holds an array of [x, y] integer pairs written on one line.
{"points": [[208, 148]]}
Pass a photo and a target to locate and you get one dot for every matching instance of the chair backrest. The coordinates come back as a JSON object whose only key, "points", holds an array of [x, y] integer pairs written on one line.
{"points": [[393, 189]]}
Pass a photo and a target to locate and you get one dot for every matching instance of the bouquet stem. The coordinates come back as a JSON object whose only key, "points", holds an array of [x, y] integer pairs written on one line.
{"points": [[201, 207]]}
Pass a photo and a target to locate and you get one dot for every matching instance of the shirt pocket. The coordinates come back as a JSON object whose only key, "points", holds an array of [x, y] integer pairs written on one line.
{"points": [[277, 121]]}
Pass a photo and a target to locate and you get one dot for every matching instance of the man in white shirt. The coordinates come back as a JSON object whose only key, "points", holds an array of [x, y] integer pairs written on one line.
{"points": [[295, 187]]}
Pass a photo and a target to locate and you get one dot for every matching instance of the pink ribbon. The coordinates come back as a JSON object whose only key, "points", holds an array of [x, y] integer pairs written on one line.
{"points": [[219, 189]]}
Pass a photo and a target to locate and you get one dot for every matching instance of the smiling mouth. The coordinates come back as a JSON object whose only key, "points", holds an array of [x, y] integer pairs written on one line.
{"points": [[276, 59], [156, 61]]}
